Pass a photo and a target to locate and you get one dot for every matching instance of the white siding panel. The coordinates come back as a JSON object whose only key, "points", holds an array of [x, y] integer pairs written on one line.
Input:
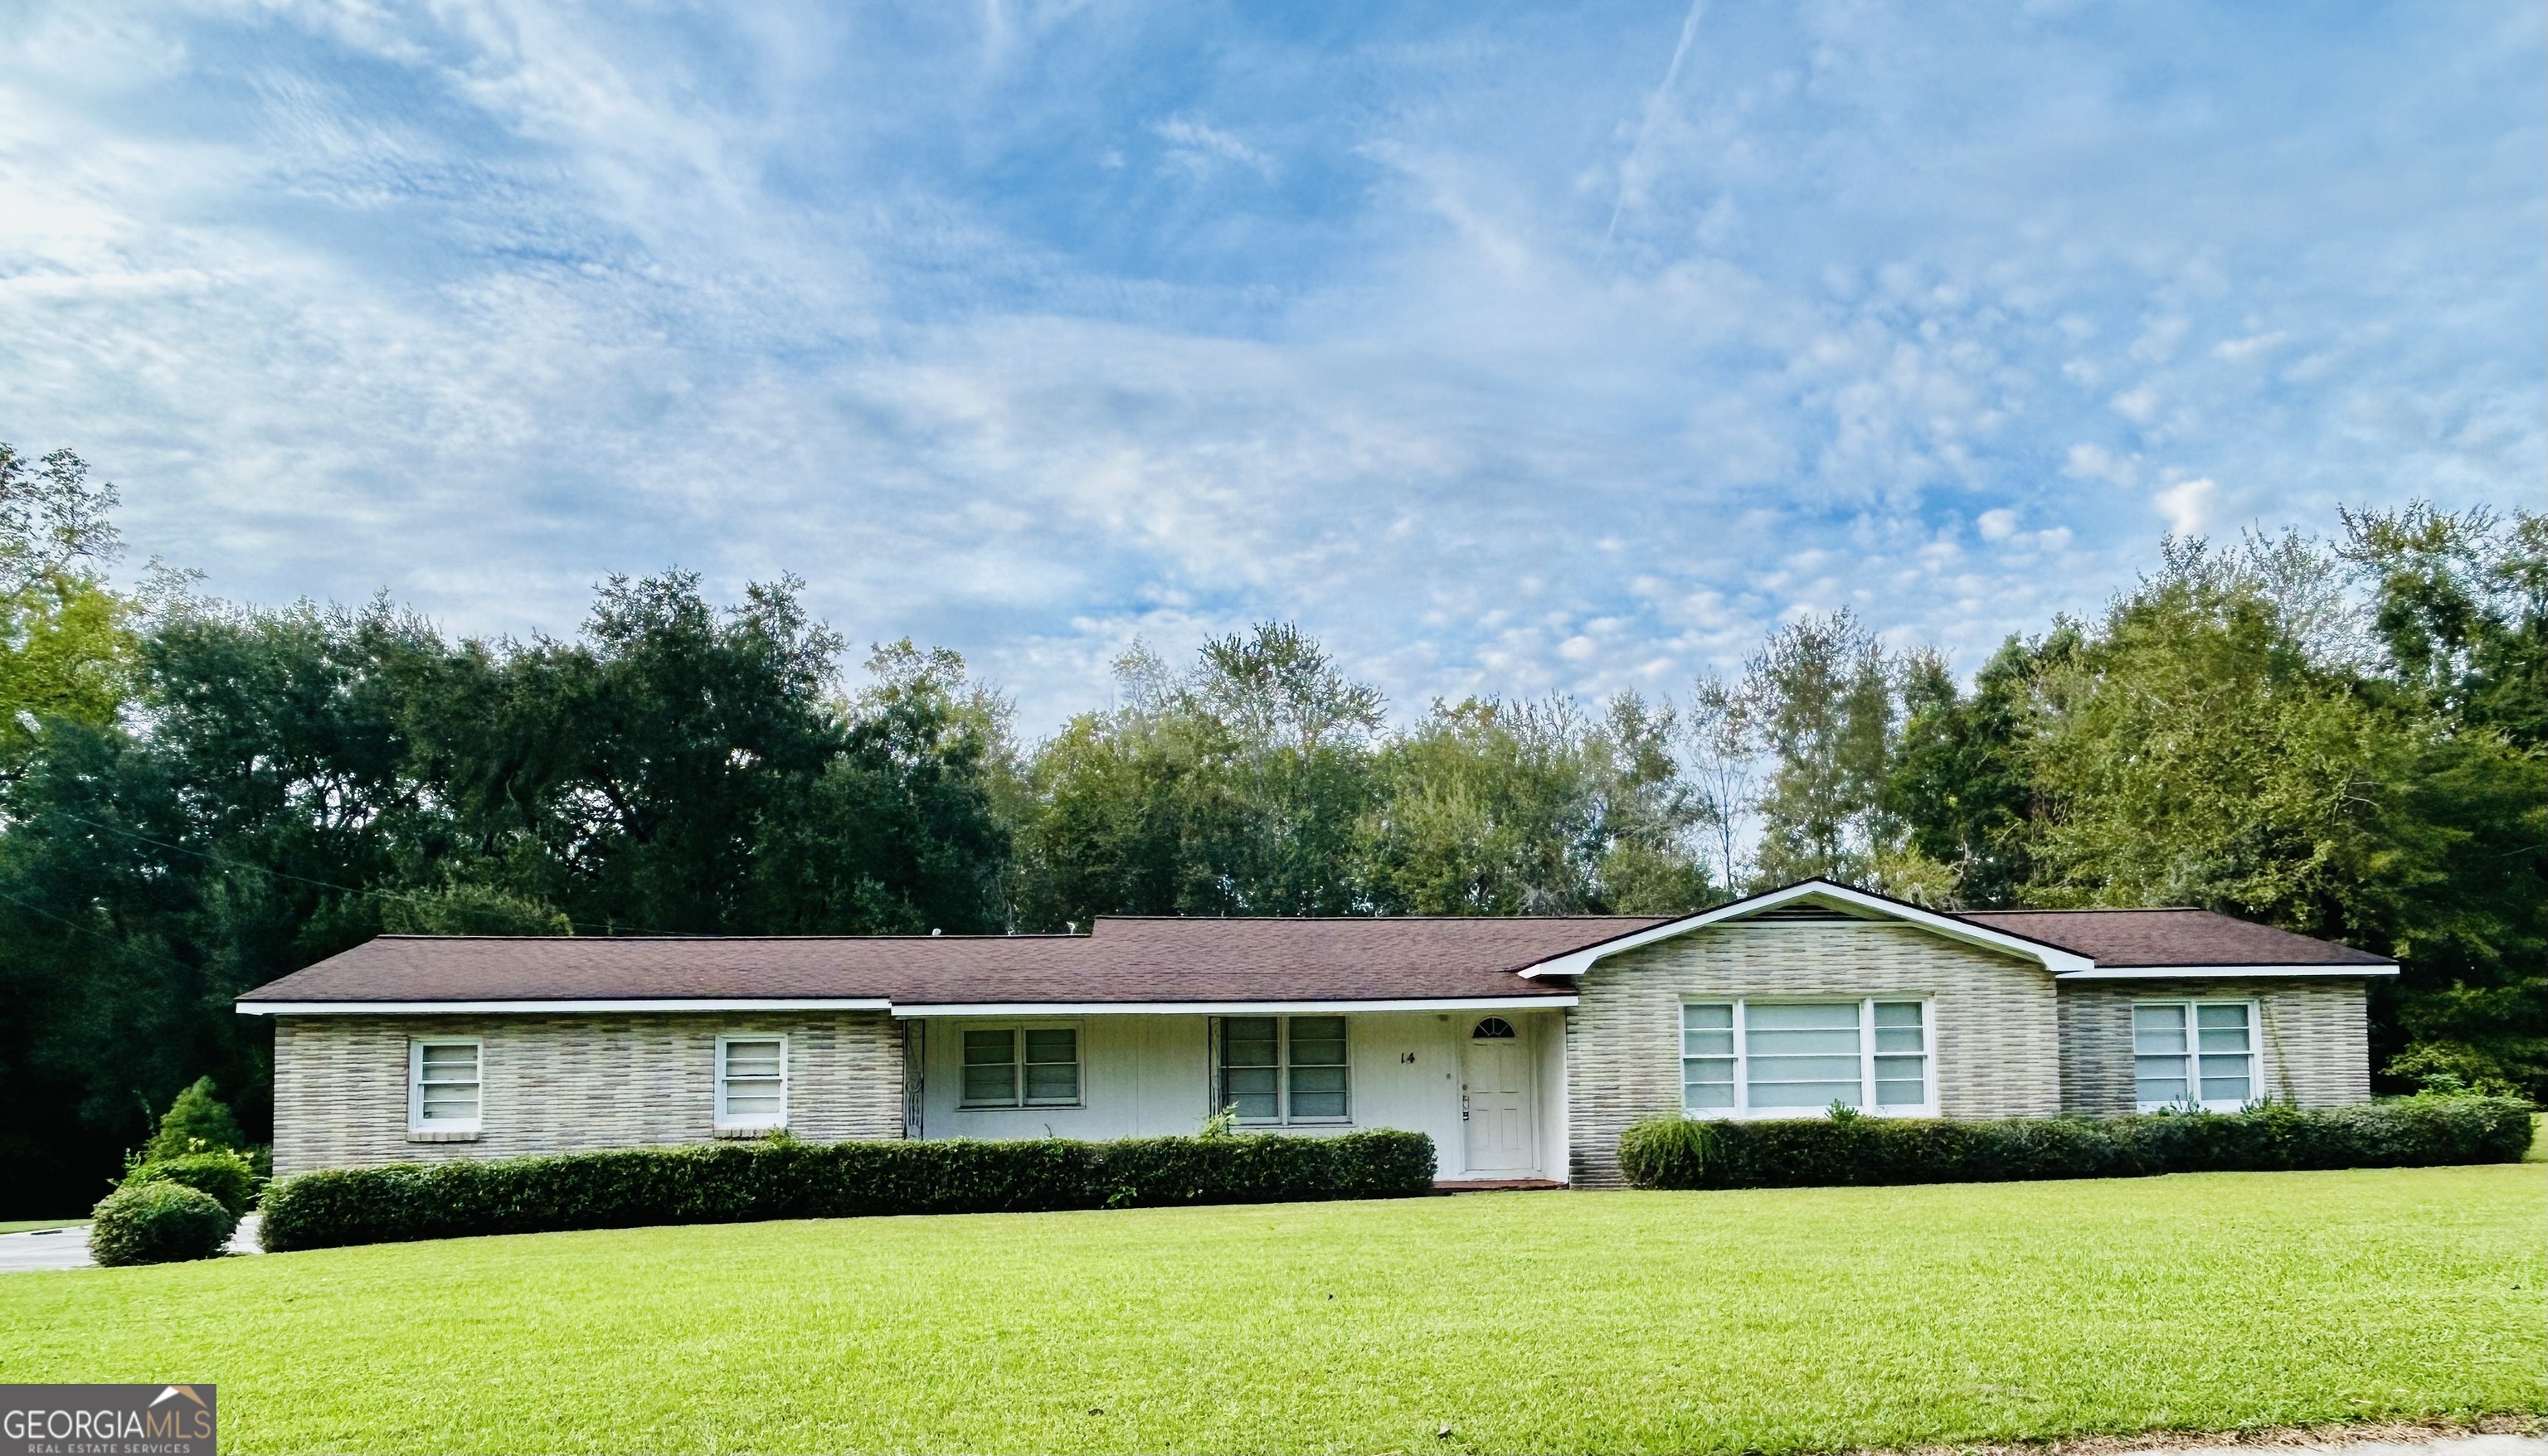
{"points": [[1149, 1076]]}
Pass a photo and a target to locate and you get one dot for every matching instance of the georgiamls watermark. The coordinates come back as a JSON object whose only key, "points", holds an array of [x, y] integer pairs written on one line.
{"points": [[107, 1420]]}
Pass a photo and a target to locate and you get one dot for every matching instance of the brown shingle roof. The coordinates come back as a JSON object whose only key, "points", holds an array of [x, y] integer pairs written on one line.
{"points": [[1135, 960], [1126, 960], [2124, 939]]}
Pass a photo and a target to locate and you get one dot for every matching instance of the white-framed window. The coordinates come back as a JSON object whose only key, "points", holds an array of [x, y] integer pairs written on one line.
{"points": [[1024, 1065], [446, 1087], [1285, 1069], [751, 1080], [2194, 1053], [1754, 1058]]}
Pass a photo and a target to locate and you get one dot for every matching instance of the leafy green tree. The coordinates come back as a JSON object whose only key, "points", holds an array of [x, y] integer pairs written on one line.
{"points": [[66, 643], [1233, 788], [2192, 752], [2459, 610], [1961, 783], [1495, 808], [1823, 704], [195, 1121], [899, 832]]}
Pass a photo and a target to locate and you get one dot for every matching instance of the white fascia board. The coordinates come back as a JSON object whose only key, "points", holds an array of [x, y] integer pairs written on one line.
{"points": [[2052, 959], [525, 1008], [1225, 1008], [2186, 972]]}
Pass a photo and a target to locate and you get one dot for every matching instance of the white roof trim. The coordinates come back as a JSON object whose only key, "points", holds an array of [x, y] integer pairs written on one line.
{"points": [[969, 1008], [2058, 962], [1224, 1008], [2168, 973], [503, 1008]]}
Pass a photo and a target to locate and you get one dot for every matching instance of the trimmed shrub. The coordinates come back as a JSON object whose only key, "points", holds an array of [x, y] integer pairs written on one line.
{"points": [[1674, 1152], [737, 1182], [228, 1177], [159, 1222]]}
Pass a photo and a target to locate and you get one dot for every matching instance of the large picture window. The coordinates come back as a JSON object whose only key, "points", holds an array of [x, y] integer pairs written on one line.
{"points": [[1797, 1058], [444, 1092], [1285, 1068], [2194, 1053], [1021, 1067], [752, 1082]]}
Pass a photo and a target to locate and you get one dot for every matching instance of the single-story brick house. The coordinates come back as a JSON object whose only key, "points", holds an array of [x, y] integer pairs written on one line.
{"points": [[1522, 1046]]}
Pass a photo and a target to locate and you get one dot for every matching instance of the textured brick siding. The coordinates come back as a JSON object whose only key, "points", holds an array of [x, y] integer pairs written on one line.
{"points": [[568, 1083], [2317, 1038], [1994, 1015]]}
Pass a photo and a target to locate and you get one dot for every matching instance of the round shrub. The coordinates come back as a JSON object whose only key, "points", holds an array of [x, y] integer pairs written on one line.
{"points": [[227, 1176], [159, 1222]]}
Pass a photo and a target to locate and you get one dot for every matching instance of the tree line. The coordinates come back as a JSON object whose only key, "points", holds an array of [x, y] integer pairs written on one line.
{"points": [[2342, 737]]}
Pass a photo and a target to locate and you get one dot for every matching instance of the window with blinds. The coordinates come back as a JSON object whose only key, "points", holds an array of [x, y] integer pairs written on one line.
{"points": [[1283, 1069], [1021, 1067], [444, 1092], [2194, 1053], [751, 1082], [1798, 1058]]}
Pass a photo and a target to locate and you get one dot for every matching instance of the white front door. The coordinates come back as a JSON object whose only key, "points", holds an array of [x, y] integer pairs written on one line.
{"points": [[1496, 1102]]}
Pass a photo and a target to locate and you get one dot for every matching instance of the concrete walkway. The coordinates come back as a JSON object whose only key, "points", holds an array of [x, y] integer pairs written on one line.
{"points": [[67, 1249], [2440, 1445]]}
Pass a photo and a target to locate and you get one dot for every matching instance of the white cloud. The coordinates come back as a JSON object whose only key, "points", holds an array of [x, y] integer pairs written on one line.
{"points": [[1203, 150], [2255, 346], [2188, 506], [485, 301]]}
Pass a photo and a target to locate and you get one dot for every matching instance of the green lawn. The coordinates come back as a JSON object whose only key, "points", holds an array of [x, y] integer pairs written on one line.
{"points": [[1721, 1322], [28, 1226]]}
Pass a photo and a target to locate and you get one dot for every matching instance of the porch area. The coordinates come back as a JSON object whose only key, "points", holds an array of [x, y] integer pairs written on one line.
{"points": [[1485, 1083]]}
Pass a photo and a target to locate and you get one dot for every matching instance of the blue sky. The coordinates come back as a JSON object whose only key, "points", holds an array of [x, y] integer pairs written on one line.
{"points": [[1510, 349]]}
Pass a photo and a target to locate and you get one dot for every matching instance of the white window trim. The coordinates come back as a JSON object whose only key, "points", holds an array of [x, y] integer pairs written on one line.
{"points": [[1743, 1111], [752, 1121], [416, 1121], [2194, 1045], [1283, 1116], [1018, 1065]]}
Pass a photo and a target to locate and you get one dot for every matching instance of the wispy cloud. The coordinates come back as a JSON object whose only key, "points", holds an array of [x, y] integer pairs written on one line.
{"points": [[1497, 361]]}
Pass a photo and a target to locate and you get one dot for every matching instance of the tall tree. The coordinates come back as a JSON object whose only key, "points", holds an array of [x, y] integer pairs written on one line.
{"points": [[1231, 787], [1961, 783], [1823, 695]]}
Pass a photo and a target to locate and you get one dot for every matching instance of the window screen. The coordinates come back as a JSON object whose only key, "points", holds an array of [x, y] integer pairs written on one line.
{"points": [[1797, 1058], [1286, 1068], [751, 1085], [1901, 1055], [1802, 1056], [2194, 1053], [446, 1082], [1021, 1066]]}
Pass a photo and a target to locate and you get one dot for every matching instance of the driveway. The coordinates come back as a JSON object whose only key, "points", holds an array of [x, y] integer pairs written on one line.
{"points": [[67, 1249]]}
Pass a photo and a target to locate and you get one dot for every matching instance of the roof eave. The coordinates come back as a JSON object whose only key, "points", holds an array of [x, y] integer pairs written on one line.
{"points": [[590, 1006], [2323, 969]]}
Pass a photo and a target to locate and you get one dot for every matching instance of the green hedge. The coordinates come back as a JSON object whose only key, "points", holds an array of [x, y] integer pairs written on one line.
{"points": [[227, 1176], [159, 1222], [736, 1182], [1673, 1151]]}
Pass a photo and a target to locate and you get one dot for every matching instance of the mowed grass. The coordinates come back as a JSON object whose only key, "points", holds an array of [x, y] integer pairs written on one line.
{"points": [[1593, 1321]]}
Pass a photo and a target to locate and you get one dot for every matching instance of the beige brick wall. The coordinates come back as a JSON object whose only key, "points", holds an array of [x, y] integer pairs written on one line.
{"points": [[1995, 1017], [2316, 1042], [568, 1083]]}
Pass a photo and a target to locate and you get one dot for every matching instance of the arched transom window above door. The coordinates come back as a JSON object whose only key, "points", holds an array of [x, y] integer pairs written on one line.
{"points": [[1492, 1028]]}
